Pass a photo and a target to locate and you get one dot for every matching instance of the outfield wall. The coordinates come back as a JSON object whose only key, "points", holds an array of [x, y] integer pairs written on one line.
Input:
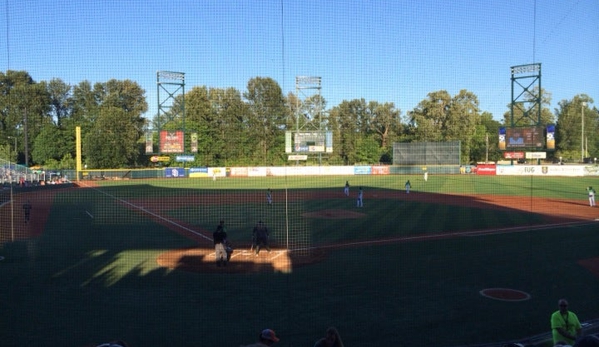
{"points": [[548, 170], [281, 171]]}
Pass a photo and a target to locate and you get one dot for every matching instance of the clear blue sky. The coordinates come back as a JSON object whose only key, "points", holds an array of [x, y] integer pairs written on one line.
{"points": [[388, 51]]}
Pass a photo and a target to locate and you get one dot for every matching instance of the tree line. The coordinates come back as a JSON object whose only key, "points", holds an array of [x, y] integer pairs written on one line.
{"points": [[248, 127]]}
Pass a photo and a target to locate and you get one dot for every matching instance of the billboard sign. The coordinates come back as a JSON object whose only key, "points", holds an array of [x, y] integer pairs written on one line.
{"points": [[171, 141]]}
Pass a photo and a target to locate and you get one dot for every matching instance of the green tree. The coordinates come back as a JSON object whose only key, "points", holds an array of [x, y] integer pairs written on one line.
{"points": [[569, 136], [232, 131], [118, 125], [344, 120], [428, 120], [56, 139], [385, 127], [441, 117], [198, 119], [52, 143], [24, 106], [60, 100], [485, 140], [113, 141], [267, 117], [218, 116], [368, 150], [85, 105], [462, 122]]}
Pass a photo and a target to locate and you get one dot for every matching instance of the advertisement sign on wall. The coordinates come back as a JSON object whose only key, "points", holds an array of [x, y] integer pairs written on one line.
{"points": [[198, 172], [174, 172], [513, 155], [362, 170], [380, 170], [486, 169], [239, 172]]}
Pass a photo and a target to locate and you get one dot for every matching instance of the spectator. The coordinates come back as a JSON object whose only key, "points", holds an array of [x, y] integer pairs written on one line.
{"points": [[266, 338], [564, 325], [331, 339]]}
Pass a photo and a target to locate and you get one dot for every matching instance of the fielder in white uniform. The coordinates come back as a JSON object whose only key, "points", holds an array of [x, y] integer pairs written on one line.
{"points": [[360, 201], [591, 193]]}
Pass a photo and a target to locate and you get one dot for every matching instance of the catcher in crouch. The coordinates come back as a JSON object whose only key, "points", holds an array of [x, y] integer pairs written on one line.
{"points": [[260, 237]]}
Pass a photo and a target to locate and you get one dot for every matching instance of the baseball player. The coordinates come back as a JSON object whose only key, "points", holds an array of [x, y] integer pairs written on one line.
{"points": [[220, 238], [27, 210], [269, 196], [346, 188], [360, 201], [591, 193], [228, 249], [408, 186], [260, 235]]}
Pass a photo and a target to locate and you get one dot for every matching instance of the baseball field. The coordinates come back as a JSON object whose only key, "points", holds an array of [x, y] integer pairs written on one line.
{"points": [[460, 260]]}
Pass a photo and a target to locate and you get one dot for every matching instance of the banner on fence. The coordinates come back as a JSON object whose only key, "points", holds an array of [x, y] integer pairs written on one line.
{"points": [[541, 170], [174, 172], [486, 169], [195, 172]]}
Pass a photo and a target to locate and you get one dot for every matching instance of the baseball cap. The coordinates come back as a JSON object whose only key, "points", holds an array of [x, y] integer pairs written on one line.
{"points": [[269, 335]]}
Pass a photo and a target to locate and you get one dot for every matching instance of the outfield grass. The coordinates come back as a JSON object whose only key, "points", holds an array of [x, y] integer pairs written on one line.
{"points": [[551, 187], [93, 279]]}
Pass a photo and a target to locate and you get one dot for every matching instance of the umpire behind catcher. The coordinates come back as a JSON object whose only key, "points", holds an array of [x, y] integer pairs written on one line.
{"points": [[261, 236], [220, 239]]}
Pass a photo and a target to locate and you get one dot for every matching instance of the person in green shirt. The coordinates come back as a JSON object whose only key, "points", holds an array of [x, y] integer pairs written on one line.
{"points": [[565, 325]]}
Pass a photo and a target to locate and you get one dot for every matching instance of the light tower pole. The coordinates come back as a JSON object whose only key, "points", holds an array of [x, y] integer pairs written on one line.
{"points": [[583, 105], [12, 204]]}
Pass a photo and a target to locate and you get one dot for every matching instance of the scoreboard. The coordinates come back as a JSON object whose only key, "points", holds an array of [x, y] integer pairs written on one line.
{"points": [[532, 137], [308, 142]]}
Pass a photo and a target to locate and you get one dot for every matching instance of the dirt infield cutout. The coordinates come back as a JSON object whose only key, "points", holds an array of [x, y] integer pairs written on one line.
{"points": [[242, 261], [505, 294]]}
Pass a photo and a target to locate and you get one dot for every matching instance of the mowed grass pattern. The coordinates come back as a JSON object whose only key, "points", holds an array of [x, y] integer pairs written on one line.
{"points": [[92, 275]]}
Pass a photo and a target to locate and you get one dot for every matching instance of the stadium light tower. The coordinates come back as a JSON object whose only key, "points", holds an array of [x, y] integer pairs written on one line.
{"points": [[583, 105]]}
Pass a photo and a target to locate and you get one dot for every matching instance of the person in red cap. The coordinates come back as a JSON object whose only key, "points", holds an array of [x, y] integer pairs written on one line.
{"points": [[266, 338]]}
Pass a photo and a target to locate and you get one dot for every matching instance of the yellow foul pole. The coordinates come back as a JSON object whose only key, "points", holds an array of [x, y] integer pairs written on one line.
{"points": [[78, 150]]}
